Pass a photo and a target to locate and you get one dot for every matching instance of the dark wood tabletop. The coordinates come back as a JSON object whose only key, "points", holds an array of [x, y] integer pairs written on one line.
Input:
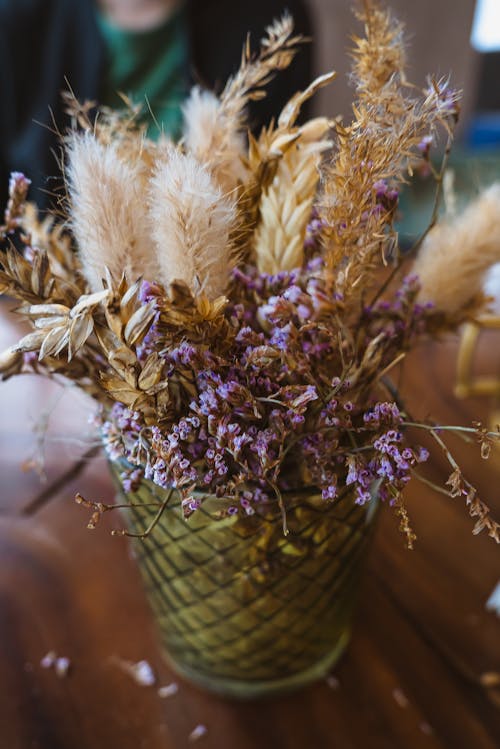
{"points": [[422, 670]]}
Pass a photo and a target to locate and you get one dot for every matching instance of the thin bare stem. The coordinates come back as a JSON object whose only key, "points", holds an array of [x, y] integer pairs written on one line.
{"points": [[151, 526], [437, 195], [431, 484], [450, 428], [282, 507]]}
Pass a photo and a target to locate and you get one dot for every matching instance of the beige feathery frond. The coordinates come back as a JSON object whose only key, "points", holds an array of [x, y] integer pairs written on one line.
{"points": [[107, 212], [380, 54], [377, 148], [191, 223], [53, 239], [213, 140], [213, 126], [124, 128], [285, 207], [277, 50], [456, 255], [291, 110]]}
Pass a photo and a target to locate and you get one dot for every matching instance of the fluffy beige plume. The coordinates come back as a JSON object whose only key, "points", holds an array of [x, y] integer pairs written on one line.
{"points": [[213, 126], [380, 54], [121, 128], [456, 255], [210, 137], [285, 207], [191, 223], [277, 50], [107, 212]]}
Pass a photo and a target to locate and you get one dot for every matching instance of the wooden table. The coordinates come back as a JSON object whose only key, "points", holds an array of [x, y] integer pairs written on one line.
{"points": [[422, 670]]}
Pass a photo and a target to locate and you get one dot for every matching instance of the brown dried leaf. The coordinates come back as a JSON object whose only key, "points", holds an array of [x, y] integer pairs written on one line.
{"points": [[108, 341], [163, 405], [291, 110], [180, 295], [80, 330], [30, 342], [89, 300], [11, 362], [46, 323], [455, 482], [129, 301], [138, 325], [262, 356], [151, 372], [35, 311], [210, 310], [119, 389], [40, 273], [124, 362], [55, 341], [5, 283], [113, 318]]}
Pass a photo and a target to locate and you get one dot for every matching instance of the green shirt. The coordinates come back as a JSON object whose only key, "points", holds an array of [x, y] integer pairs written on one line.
{"points": [[150, 67]]}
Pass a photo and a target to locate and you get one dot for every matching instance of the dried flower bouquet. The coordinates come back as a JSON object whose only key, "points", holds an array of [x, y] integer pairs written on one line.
{"points": [[235, 304]]}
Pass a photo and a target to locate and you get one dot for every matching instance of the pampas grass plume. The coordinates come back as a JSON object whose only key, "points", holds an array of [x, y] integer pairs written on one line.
{"points": [[191, 223], [212, 139], [456, 255], [107, 212]]}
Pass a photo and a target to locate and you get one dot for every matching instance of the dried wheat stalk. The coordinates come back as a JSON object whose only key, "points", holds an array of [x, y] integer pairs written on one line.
{"points": [[378, 146], [285, 207]]}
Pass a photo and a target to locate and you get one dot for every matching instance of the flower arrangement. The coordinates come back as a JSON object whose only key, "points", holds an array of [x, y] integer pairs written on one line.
{"points": [[235, 305]]}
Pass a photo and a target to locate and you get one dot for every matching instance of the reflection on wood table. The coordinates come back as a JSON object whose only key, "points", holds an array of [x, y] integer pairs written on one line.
{"points": [[422, 669]]}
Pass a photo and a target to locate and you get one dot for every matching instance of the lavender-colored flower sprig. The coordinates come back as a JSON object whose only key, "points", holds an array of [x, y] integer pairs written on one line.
{"points": [[279, 410], [229, 305]]}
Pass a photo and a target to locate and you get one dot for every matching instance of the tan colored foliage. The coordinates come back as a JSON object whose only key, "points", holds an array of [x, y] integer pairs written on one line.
{"points": [[182, 216]]}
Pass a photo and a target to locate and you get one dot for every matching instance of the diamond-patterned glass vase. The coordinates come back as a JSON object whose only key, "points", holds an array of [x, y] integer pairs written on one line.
{"points": [[243, 609]]}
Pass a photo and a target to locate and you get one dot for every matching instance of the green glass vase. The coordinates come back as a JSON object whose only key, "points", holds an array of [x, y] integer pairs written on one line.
{"points": [[244, 610]]}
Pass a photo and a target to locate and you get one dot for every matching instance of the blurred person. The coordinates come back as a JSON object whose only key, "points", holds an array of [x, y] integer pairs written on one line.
{"points": [[151, 50]]}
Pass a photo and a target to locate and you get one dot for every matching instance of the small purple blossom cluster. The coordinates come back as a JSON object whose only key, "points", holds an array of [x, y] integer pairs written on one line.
{"points": [[386, 197], [387, 467], [278, 410], [314, 230], [401, 319]]}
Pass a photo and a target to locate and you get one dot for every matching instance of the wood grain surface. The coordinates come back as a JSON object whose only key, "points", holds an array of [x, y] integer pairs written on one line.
{"points": [[420, 669]]}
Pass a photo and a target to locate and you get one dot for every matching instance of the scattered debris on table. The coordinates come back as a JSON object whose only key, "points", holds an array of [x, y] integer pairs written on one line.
{"points": [[332, 682], [400, 697], [60, 664], [168, 690], [490, 679], [426, 728], [198, 732], [62, 667], [493, 602], [141, 672], [48, 660]]}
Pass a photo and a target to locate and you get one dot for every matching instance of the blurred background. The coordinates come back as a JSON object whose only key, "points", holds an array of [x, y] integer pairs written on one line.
{"points": [[154, 50], [158, 48]]}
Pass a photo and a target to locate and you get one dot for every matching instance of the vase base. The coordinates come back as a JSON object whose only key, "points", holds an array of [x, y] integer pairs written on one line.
{"points": [[247, 690]]}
